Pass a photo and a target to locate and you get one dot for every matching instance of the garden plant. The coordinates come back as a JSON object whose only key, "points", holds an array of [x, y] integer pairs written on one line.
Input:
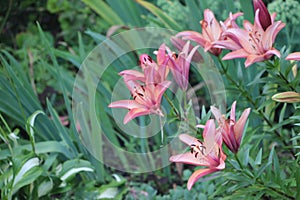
{"points": [[136, 99]]}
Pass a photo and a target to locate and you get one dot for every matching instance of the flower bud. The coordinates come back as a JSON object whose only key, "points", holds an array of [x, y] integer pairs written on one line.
{"points": [[287, 97], [264, 15]]}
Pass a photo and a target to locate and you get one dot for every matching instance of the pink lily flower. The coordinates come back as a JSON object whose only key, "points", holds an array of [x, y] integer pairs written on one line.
{"points": [[207, 153], [293, 56], [146, 99], [231, 130], [179, 44], [180, 65], [253, 43], [159, 70], [211, 31]]}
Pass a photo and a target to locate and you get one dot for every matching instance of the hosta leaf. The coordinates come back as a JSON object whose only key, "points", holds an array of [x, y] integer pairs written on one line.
{"points": [[27, 173], [45, 187]]}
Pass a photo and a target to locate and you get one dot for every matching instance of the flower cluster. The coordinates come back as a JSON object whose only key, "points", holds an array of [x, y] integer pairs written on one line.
{"points": [[255, 42], [209, 153], [148, 87]]}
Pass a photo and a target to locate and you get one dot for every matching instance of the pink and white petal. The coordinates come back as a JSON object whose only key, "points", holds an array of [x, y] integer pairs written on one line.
{"points": [[272, 52], [198, 174], [240, 125], [161, 54], [217, 114], [221, 160], [209, 136], [273, 17], [227, 44], [135, 112], [179, 44], [232, 112], [132, 75], [213, 28], [247, 25], [257, 23], [293, 56], [132, 85], [241, 53], [218, 140], [128, 104], [188, 139], [189, 158], [253, 59], [192, 35], [160, 89], [271, 33], [242, 36], [151, 75], [230, 21]]}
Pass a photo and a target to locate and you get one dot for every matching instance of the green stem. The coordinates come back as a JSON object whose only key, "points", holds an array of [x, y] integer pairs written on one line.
{"points": [[161, 130], [172, 106], [178, 116], [245, 93]]}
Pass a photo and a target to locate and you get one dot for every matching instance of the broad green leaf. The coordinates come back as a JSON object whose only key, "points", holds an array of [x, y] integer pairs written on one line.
{"points": [[75, 170], [27, 172], [41, 147], [72, 167], [45, 187], [28, 165]]}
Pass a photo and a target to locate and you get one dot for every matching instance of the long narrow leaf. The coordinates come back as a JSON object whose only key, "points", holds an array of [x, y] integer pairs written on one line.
{"points": [[165, 19], [103, 10]]}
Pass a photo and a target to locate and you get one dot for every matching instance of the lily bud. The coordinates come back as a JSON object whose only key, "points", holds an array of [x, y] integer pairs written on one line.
{"points": [[264, 15], [287, 97]]}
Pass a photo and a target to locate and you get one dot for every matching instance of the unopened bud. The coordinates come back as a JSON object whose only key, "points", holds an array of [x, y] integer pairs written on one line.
{"points": [[287, 97], [264, 15]]}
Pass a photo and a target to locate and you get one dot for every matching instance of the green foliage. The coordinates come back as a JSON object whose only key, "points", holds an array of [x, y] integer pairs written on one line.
{"points": [[288, 11]]}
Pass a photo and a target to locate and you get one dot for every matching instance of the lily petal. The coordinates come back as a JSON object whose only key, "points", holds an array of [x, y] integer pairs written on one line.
{"points": [[240, 125], [129, 104], [189, 158], [241, 53], [132, 75], [198, 174], [136, 112], [293, 56], [160, 89]]}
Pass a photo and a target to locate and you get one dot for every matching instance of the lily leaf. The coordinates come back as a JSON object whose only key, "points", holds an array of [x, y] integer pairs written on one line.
{"points": [[165, 19]]}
